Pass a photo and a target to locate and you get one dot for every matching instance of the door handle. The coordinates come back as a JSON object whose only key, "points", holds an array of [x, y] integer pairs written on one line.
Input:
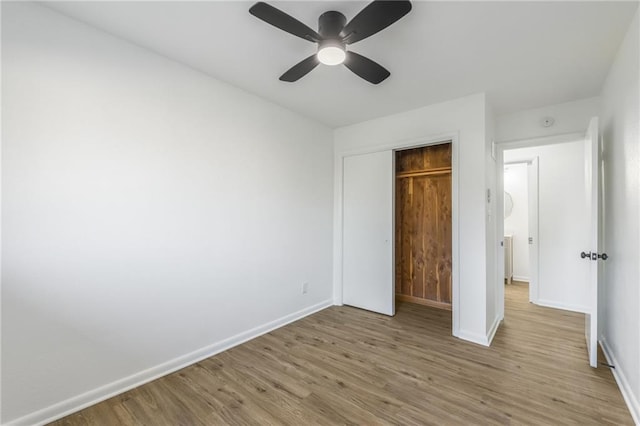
{"points": [[593, 256]]}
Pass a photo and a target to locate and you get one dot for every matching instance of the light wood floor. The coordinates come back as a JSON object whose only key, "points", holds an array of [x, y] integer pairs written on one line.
{"points": [[348, 366]]}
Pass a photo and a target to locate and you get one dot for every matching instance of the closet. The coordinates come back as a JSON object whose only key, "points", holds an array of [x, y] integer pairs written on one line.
{"points": [[423, 226]]}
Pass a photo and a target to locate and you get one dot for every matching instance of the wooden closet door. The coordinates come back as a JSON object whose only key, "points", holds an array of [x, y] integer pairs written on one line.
{"points": [[423, 225]]}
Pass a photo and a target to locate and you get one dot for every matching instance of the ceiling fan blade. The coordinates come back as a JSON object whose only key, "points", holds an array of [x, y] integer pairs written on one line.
{"points": [[366, 68], [376, 16], [279, 19], [300, 69]]}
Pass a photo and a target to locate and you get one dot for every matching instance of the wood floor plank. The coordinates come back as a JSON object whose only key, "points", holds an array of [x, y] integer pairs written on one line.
{"points": [[349, 366]]}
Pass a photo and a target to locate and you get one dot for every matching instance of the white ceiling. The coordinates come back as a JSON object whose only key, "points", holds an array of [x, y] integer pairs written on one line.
{"points": [[523, 54]]}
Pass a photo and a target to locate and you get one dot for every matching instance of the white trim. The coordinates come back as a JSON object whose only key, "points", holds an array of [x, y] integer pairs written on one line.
{"points": [[455, 173], [480, 339], [472, 337], [633, 403], [499, 229], [545, 140], [76, 403], [1, 209], [455, 235], [560, 305], [402, 144], [519, 278], [513, 163], [492, 331], [533, 208], [338, 180]]}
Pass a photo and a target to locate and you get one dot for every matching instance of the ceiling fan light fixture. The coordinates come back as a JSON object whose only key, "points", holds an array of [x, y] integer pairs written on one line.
{"points": [[331, 53]]}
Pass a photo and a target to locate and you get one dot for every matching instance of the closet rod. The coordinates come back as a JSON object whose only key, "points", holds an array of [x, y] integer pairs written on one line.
{"points": [[439, 171]]}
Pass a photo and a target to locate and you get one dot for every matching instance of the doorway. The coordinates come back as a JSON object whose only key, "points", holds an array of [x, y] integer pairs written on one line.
{"points": [[520, 239], [561, 222], [423, 226], [568, 245], [365, 238]]}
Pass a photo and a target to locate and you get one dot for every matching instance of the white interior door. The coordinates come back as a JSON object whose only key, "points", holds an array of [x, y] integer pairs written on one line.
{"points": [[367, 269], [532, 194], [592, 166]]}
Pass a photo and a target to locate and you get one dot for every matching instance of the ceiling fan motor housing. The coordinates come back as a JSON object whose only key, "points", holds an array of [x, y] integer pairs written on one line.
{"points": [[330, 24]]}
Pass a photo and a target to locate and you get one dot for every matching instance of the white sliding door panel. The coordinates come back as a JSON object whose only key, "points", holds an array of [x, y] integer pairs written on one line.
{"points": [[367, 270]]}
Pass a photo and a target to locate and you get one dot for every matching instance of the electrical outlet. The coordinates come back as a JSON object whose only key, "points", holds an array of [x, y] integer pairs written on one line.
{"points": [[305, 288]]}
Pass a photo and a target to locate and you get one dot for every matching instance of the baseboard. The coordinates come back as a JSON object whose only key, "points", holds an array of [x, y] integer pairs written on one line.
{"points": [[492, 331], [627, 393], [477, 338], [77, 403], [523, 279], [559, 305]]}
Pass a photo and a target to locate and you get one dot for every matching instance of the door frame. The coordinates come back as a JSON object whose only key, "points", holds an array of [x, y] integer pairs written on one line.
{"points": [[501, 147], [533, 193], [594, 162], [338, 213]]}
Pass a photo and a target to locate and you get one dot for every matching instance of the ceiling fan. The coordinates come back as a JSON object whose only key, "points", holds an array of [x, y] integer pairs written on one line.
{"points": [[334, 34]]}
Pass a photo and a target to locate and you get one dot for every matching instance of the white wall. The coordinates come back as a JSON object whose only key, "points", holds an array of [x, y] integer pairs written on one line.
{"points": [[563, 225], [150, 213], [569, 117], [465, 118], [619, 309], [517, 224]]}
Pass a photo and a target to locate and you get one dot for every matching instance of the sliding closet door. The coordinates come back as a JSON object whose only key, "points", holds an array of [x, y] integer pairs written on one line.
{"points": [[367, 270]]}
